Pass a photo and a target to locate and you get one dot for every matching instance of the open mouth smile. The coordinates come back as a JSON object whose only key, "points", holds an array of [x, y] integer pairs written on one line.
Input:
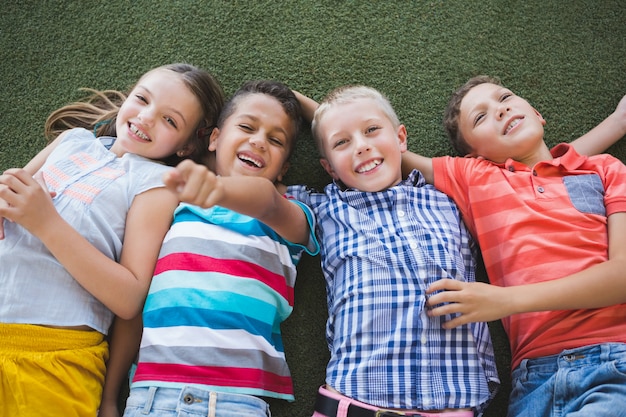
{"points": [[369, 166], [138, 133], [250, 160], [512, 124]]}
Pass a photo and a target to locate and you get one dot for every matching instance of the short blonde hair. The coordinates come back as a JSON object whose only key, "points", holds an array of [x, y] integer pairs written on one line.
{"points": [[346, 95]]}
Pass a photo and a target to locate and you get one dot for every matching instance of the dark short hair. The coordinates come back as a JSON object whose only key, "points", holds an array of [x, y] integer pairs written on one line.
{"points": [[279, 91]]}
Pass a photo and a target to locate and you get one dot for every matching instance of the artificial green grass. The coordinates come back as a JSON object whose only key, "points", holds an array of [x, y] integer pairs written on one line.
{"points": [[566, 58]]}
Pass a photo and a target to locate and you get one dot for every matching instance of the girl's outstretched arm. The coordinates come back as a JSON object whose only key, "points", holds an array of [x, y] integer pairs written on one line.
{"points": [[609, 131]]}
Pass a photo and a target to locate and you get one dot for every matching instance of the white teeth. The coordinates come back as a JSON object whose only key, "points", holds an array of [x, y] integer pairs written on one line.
{"points": [[369, 167], [252, 161], [511, 126], [139, 133]]}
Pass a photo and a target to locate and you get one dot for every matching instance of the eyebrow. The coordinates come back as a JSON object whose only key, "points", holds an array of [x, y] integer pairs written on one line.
{"points": [[256, 118]]}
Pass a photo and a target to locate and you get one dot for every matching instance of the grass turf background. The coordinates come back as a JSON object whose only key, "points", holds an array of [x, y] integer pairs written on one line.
{"points": [[567, 58]]}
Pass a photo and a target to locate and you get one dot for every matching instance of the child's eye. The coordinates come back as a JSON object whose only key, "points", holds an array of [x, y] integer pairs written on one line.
{"points": [[276, 141], [505, 96], [171, 121], [141, 98], [340, 142], [479, 118], [245, 127], [371, 129]]}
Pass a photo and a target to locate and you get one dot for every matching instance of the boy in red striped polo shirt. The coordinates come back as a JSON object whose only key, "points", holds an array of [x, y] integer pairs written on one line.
{"points": [[551, 225]]}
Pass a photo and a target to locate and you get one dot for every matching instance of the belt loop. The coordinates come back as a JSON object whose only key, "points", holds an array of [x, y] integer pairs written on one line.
{"points": [[342, 407], [212, 403], [523, 367], [605, 352], [148, 405]]}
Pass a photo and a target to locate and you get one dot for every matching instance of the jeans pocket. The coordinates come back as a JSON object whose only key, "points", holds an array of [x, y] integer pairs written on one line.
{"points": [[619, 367]]}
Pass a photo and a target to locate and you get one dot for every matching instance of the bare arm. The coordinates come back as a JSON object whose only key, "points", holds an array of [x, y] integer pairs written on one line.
{"points": [[253, 196], [38, 160], [597, 286], [125, 338], [411, 161], [308, 105], [119, 286], [609, 131]]}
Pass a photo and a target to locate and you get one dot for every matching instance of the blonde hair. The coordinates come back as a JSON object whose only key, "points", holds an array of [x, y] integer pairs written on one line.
{"points": [[346, 95]]}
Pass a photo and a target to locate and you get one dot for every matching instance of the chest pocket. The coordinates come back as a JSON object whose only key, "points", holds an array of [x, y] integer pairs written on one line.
{"points": [[586, 192]]}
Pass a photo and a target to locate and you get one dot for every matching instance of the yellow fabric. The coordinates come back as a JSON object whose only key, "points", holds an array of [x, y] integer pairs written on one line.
{"points": [[50, 372]]}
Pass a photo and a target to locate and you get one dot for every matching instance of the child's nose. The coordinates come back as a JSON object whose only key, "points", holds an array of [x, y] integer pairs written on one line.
{"points": [[502, 110], [362, 145], [146, 116], [258, 140]]}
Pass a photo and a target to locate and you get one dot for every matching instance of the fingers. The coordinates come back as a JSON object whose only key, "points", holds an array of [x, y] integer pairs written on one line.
{"points": [[40, 180], [193, 183], [173, 181], [444, 299], [13, 183], [456, 322], [444, 285], [24, 198]]}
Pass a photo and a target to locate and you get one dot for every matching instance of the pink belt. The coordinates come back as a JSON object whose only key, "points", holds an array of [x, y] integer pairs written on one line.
{"points": [[331, 404]]}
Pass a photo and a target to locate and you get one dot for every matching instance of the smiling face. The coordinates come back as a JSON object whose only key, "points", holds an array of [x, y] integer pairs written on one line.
{"points": [[255, 139], [361, 146], [158, 117], [498, 125]]}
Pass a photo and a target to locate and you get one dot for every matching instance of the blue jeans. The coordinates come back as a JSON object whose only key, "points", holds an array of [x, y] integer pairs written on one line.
{"points": [[192, 401], [588, 381]]}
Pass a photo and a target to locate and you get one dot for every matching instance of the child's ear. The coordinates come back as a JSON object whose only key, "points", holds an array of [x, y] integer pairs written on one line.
{"points": [[402, 138], [213, 139], [185, 151], [283, 171], [541, 119], [328, 168]]}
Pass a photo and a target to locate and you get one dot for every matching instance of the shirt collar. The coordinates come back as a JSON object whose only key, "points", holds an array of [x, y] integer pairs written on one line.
{"points": [[563, 155], [415, 179]]}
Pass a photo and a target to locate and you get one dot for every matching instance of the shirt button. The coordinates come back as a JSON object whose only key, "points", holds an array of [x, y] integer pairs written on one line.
{"points": [[400, 213], [540, 189], [413, 245]]}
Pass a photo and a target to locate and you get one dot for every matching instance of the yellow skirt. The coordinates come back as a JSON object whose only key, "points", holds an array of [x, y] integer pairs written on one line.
{"points": [[45, 371]]}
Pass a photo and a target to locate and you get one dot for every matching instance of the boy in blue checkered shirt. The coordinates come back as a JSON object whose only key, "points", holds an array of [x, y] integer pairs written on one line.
{"points": [[385, 239]]}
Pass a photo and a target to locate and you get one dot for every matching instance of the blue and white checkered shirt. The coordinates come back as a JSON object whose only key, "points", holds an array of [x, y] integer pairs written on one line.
{"points": [[380, 251]]}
